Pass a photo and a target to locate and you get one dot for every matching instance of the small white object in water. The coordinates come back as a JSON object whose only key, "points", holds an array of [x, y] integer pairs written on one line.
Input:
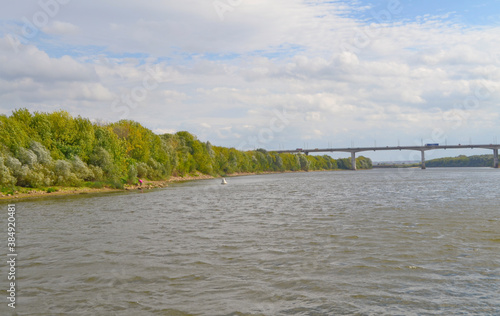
{"points": [[224, 181]]}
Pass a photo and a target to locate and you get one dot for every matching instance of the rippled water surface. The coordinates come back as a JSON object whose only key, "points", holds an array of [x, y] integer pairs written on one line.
{"points": [[376, 242]]}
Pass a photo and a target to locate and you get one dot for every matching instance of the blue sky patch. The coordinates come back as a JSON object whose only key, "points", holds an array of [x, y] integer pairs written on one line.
{"points": [[486, 12]]}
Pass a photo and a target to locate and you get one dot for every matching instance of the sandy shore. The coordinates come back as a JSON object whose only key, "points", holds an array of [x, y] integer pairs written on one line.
{"points": [[147, 185]]}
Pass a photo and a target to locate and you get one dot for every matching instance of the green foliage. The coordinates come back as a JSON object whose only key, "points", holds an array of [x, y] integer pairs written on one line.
{"points": [[46, 149], [363, 163], [116, 183], [64, 175], [27, 157], [97, 185], [132, 174], [102, 159], [462, 161], [344, 163], [42, 154], [6, 177], [7, 190], [304, 162], [13, 132], [81, 170], [14, 165]]}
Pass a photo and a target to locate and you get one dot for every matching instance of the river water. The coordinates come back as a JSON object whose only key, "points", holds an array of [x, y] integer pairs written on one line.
{"points": [[372, 242]]}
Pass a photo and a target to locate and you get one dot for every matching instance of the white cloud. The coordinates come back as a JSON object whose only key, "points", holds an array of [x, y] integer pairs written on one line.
{"points": [[175, 65], [60, 28], [31, 62], [161, 131]]}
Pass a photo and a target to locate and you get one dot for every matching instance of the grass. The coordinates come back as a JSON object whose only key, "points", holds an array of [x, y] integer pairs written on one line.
{"points": [[7, 191], [97, 185]]}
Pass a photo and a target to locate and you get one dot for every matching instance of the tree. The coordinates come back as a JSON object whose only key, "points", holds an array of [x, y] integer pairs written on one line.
{"points": [[44, 149]]}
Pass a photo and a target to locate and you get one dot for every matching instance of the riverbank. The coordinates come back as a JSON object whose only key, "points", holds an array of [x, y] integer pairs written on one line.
{"points": [[57, 191], [29, 193]]}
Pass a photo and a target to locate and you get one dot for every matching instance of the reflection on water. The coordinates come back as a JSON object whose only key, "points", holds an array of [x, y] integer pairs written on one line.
{"points": [[321, 243]]}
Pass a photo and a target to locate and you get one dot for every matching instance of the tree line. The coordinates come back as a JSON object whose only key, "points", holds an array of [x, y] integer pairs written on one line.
{"points": [[39, 150], [462, 161]]}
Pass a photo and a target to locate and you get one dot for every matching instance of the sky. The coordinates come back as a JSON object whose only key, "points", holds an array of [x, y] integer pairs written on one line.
{"points": [[279, 74]]}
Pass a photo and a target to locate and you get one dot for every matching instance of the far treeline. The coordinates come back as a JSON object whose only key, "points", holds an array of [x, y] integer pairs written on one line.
{"points": [[39, 150], [462, 161]]}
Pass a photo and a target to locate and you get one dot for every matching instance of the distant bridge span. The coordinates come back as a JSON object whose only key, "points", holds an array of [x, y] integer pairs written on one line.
{"points": [[422, 149]]}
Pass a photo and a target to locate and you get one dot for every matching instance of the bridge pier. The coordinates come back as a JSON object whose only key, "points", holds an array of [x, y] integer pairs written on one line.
{"points": [[353, 160], [423, 159], [495, 158]]}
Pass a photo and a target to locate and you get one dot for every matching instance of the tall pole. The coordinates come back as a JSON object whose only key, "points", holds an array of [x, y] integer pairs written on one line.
{"points": [[423, 159]]}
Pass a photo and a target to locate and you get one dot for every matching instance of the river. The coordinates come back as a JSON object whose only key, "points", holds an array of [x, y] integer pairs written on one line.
{"points": [[369, 242]]}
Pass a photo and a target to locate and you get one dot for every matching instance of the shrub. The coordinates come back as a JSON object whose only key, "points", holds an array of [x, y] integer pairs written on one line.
{"points": [[42, 154], [62, 168], [80, 169], [102, 159], [27, 156], [6, 177], [64, 176], [116, 183], [97, 172], [33, 179], [14, 165], [132, 174], [142, 170], [156, 170], [37, 176], [97, 185]]}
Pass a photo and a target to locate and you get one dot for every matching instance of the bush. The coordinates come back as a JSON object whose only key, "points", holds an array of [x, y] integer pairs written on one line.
{"points": [[62, 169], [27, 156], [116, 184], [6, 177], [42, 154], [156, 170], [80, 169], [142, 170], [101, 158], [64, 176], [97, 185], [14, 165], [97, 172], [33, 179], [132, 174]]}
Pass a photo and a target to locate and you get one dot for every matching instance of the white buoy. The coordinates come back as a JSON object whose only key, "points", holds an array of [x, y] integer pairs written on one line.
{"points": [[224, 181]]}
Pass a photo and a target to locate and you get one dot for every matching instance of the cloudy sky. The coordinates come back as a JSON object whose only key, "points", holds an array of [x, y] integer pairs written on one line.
{"points": [[263, 74]]}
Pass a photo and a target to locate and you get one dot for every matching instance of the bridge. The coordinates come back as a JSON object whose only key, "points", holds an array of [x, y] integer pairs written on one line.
{"points": [[422, 149]]}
